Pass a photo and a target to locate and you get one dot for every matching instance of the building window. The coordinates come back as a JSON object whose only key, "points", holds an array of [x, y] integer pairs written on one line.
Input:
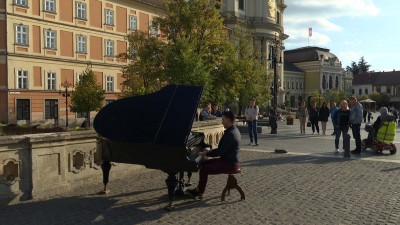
{"points": [[81, 45], [297, 85], [153, 28], [301, 85], [50, 5], [360, 91], [23, 109], [50, 108], [22, 79], [287, 85], [337, 83], [352, 91], [108, 101], [109, 48], [133, 22], [80, 10], [366, 91], [21, 2], [330, 82], [51, 81], [241, 5], [323, 82], [50, 39], [81, 114], [109, 17], [278, 17], [110, 83], [378, 89], [292, 85], [388, 91], [21, 34]]}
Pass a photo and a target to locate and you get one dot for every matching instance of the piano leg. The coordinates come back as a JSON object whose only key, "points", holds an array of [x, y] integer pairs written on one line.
{"points": [[171, 182], [105, 167], [181, 184]]}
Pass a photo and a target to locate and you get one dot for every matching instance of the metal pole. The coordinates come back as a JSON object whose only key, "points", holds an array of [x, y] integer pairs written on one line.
{"points": [[66, 105]]}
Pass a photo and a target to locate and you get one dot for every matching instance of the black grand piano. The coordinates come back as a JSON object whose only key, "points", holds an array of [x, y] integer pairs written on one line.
{"points": [[153, 130]]}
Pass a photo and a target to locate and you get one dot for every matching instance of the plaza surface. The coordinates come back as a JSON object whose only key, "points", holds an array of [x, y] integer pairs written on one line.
{"points": [[308, 185]]}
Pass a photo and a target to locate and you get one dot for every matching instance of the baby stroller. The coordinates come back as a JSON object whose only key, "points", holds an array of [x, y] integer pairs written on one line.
{"points": [[383, 141]]}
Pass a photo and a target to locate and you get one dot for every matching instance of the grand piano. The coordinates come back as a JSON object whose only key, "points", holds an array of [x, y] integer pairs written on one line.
{"points": [[153, 130]]}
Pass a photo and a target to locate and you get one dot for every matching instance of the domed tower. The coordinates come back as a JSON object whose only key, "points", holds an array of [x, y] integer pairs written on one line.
{"points": [[263, 18]]}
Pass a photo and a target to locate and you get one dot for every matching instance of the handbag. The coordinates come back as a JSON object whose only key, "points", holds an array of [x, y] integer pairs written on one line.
{"points": [[308, 124]]}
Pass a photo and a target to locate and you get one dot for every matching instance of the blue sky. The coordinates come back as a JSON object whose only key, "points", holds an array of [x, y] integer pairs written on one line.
{"points": [[349, 28]]}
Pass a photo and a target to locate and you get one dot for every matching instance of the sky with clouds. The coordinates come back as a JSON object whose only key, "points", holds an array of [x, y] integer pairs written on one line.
{"points": [[349, 28]]}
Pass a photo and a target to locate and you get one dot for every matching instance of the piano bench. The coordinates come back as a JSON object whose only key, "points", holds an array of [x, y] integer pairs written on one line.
{"points": [[232, 183]]}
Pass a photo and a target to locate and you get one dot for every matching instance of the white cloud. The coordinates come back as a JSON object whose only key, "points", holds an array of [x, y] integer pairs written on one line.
{"points": [[320, 14]]}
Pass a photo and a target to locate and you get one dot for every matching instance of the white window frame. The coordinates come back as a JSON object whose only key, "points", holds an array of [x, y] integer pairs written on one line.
{"points": [[50, 39], [21, 36], [50, 6], [81, 44], [51, 80], [153, 28], [109, 16], [110, 83], [21, 2], [132, 22], [81, 12], [22, 79], [109, 48]]}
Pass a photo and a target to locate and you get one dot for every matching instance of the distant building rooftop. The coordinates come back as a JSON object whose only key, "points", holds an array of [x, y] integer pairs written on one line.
{"points": [[156, 3], [309, 53], [288, 66]]}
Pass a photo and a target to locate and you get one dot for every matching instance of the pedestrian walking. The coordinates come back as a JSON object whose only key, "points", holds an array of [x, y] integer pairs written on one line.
{"points": [[323, 116], [302, 112], [251, 114], [332, 111], [313, 118], [356, 116], [342, 122]]}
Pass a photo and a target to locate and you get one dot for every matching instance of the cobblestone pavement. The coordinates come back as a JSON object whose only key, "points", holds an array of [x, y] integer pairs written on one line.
{"points": [[310, 185]]}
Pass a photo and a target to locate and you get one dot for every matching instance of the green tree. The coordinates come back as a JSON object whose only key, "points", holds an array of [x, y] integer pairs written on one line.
{"points": [[353, 68], [335, 96], [196, 49], [145, 72], [88, 95], [363, 65], [253, 79]]}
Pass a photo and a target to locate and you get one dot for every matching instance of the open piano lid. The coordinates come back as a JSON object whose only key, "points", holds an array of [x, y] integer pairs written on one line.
{"points": [[162, 117]]}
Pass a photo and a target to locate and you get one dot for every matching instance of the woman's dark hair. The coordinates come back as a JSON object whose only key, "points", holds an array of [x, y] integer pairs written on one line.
{"points": [[229, 115]]}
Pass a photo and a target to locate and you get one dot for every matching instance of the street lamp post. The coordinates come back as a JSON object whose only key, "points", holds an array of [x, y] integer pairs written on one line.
{"points": [[66, 84], [273, 56]]}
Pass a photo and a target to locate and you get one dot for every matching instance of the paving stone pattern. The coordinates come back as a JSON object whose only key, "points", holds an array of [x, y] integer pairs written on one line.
{"points": [[280, 189]]}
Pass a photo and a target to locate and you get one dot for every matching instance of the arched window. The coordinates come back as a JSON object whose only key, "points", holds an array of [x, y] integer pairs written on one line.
{"points": [[337, 82], [330, 82], [323, 82]]}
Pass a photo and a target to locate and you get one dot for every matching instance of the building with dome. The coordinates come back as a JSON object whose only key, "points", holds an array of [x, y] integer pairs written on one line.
{"points": [[323, 71]]}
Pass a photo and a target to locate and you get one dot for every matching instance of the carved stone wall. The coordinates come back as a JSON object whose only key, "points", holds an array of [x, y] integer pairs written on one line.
{"points": [[44, 165]]}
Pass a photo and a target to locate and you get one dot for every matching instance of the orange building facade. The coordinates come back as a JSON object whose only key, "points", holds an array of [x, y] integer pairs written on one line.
{"points": [[45, 43]]}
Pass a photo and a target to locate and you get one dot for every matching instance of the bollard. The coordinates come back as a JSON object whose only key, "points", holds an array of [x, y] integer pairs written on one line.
{"points": [[346, 143]]}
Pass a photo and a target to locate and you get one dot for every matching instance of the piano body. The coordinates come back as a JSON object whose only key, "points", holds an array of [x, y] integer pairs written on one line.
{"points": [[153, 130]]}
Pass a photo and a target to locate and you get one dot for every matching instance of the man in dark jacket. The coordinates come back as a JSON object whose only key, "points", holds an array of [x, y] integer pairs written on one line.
{"points": [[227, 153]]}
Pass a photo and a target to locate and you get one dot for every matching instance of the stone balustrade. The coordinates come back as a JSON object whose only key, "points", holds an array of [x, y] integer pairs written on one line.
{"points": [[45, 165]]}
